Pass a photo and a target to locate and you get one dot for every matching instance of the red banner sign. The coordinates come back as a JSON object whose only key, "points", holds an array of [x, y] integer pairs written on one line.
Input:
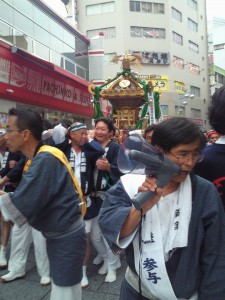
{"points": [[25, 78]]}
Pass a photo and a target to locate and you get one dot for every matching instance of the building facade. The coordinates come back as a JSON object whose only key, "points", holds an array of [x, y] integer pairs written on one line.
{"points": [[170, 35], [43, 62], [216, 45]]}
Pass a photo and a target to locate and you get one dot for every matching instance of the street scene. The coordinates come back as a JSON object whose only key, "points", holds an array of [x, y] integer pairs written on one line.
{"points": [[112, 150]]}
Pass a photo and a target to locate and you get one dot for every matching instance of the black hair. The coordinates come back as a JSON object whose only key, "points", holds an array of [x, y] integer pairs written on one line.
{"points": [[216, 111], [128, 128], [108, 122], [47, 124], [175, 131], [66, 123], [149, 129], [28, 119]]}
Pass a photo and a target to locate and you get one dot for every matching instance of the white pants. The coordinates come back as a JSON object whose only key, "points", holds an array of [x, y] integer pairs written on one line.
{"points": [[67, 293], [21, 238], [102, 246]]}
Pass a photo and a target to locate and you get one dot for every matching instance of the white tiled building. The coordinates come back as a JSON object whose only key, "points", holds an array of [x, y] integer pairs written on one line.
{"points": [[216, 40], [172, 37]]}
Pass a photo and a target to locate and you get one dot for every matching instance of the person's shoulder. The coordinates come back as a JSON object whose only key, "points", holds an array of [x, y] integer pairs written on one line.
{"points": [[201, 180], [45, 157], [205, 185], [114, 145]]}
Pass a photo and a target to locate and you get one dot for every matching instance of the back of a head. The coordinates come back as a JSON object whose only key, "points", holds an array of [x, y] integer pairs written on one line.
{"points": [[175, 131], [28, 119], [66, 123], [47, 124], [216, 111]]}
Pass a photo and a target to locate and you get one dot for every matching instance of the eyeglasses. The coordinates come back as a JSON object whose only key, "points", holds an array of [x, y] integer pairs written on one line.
{"points": [[8, 130], [195, 156]]}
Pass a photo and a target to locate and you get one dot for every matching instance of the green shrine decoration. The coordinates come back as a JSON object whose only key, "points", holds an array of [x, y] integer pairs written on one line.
{"points": [[156, 96], [126, 91]]}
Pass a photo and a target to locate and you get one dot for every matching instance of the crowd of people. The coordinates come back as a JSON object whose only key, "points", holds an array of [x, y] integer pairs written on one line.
{"points": [[61, 187]]}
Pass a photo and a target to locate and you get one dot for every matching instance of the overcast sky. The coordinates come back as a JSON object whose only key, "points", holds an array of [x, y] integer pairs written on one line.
{"points": [[215, 8]]}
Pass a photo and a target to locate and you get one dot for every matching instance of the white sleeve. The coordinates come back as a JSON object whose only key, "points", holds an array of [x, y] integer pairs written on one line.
{"points": [[123, 243], [10, 212]]}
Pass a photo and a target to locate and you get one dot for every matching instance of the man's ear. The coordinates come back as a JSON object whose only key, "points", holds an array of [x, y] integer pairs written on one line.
{"points": [[26, 134]]}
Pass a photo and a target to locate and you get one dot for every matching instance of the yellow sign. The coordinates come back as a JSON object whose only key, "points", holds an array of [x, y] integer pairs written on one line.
{"points": [[159, 82]]}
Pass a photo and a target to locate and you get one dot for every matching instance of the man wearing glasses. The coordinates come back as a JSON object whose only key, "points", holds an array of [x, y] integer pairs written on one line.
{"points": [[175, 243], [47, 199]]}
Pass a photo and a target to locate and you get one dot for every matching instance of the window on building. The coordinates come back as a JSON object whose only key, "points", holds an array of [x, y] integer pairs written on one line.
{"points": [[56, 44], [176, 14], [23, 23], [23, 41], [195, 113], [148, 32], [192, 25], [135, 6], [109, 32], [195, 91], [193, 47], [56, 29], [108, 57], [219, 78], [147, 7], [102, 8], [42, 51], [177, 38], [219, 47], [43, 35], [39, 15], [6, 12], [164, 110], [6, 33], [193, 4], [194, 69], [178, 62], [158, 8]]}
